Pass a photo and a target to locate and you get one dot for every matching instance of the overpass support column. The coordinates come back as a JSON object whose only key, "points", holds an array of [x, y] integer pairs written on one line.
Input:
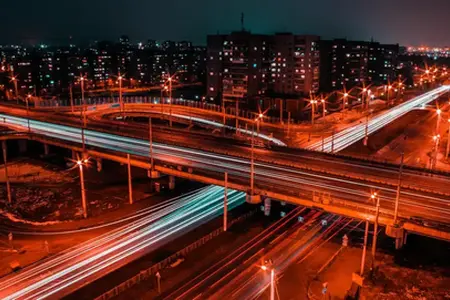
{"points": [[99, 164], [46, 149], [171, 182], [8, 186], [253, 199], [398, 233]]}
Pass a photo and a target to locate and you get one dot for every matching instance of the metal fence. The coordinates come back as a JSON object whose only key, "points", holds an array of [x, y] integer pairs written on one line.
{"points": [[146, 274]]}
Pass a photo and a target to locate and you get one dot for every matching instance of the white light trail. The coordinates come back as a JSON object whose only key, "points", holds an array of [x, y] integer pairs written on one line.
{"points": [[355, 133]]}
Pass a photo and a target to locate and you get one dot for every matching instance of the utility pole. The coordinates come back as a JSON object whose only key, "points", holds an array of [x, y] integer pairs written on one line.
{"points": [[399, 184], [130, 188], [363, 258], [8, 186], [375, 228], [225, 203]]}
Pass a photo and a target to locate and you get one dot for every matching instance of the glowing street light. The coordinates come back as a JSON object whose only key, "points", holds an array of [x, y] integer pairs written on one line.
{"points": [[323, 107], [120, 78], [81, 163], [272, 280], [16, 89], [28, 111]]}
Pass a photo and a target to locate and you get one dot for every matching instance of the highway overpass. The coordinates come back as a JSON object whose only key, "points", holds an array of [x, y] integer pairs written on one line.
{"points": [[332, 183]]}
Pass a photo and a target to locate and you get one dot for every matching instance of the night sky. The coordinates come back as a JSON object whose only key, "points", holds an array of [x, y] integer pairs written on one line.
{"points": [[408, 22]]}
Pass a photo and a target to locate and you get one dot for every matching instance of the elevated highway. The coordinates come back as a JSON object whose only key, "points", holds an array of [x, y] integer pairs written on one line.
{"points": [[332, 183]]}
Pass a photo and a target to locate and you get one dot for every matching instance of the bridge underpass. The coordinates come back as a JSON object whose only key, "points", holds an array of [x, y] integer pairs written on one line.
{"points": [[290, 187]]}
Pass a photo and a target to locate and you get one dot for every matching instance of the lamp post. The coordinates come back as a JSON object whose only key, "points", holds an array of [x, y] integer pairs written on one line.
{"points": [[399, 184], [120, 78], [438, 122], [344, 100], [82, 79], [80, 164], [436, 139], [313, 103], [376, 198], [252, 162], [272, 279], [170, 101], [323, 107], [83, 112], [16, 89], [28, 111], [363, 97], [363, 258], [8, 186]]}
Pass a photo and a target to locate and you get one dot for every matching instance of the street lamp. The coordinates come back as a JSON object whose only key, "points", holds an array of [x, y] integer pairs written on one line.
{"points": [[120, 93], [375, 197], [252, 162], [83, 103], [28, 112], [436, 139], [81, 163], [345, 100], [438, 123], [313, 103], [323, 107], [16, 89], [272, 279]]}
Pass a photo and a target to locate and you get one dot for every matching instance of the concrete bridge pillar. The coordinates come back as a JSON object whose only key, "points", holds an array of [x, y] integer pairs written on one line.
{"points": [[398, 233], [153, 174], [171, 182], [46, 149], [22, 146], [99, 164], [253, 198]]}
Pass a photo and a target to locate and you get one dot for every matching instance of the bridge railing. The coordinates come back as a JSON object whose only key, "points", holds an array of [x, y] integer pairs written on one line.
{"points": [[96, 101]]}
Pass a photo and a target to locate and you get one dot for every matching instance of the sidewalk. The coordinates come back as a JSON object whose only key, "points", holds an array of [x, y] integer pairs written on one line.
{"points": [[338, 275]]}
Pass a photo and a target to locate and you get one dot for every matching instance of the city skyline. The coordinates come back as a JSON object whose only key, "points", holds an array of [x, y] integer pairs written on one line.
{"points": [[98, 20]]}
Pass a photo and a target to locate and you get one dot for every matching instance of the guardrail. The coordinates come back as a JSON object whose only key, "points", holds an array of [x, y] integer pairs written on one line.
{"points": [[146, 274], [97, 101]]}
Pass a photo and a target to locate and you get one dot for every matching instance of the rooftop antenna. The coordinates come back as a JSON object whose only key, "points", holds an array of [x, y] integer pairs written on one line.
{"points": [[242, 21]]}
